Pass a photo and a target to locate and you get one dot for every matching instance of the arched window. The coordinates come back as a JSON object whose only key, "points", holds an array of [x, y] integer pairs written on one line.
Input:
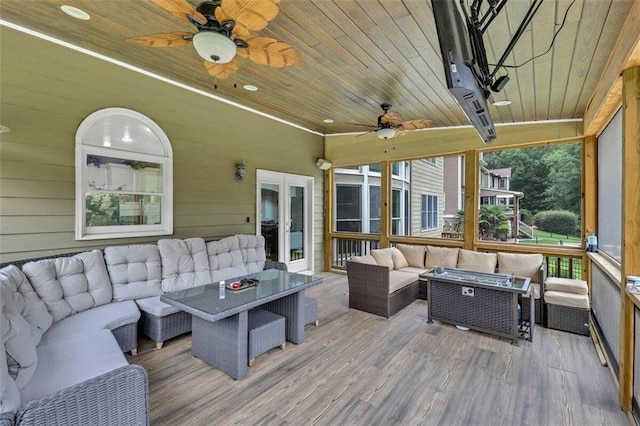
{"points": [[124, 176]]}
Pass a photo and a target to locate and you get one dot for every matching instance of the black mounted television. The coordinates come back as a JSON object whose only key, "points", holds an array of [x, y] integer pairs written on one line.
{"points": [[465, 65]]}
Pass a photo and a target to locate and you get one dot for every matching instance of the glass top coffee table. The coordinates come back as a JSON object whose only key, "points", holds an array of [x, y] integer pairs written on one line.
{"points": [[481, 301], [219, 314]]}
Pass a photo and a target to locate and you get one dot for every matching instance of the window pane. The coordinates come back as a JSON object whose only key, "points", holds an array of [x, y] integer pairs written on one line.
{"points": [[111, 209], [374, 209], [532, 195], [348, 208], [375, 168]]}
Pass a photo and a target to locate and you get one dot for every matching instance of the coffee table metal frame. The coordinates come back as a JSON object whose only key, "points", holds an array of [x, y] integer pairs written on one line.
{"points": [[493, 308], [220, 339]]}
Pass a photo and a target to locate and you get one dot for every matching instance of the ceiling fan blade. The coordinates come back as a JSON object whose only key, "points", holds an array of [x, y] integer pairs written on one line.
{"points": [[161, 40], [363, 125], [269, 51], [221, 70], [416, 124], [249, 15], [392, 117], [180, 9]]}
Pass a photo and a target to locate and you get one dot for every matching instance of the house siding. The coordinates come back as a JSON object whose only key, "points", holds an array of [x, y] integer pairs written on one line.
{"points": [[44, 104], [426, 178]]}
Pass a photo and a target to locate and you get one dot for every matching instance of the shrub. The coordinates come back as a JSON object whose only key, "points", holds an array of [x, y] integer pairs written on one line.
{"points": [[557, 221], [526, 216]]}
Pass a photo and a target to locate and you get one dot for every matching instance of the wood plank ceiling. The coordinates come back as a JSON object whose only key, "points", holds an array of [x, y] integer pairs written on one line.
{"points": [[358, 54]]}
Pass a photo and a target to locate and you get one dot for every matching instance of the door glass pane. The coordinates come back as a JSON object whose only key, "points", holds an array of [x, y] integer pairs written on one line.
{"points": [[296, 230], [269, 194]]}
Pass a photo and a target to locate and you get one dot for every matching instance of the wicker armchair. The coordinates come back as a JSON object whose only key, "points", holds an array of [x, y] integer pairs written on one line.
{"points": [[369, 290], [119, 397]]}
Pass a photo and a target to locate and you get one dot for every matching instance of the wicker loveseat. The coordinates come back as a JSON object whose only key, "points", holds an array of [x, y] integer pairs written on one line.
{"points": [[387, 280]]}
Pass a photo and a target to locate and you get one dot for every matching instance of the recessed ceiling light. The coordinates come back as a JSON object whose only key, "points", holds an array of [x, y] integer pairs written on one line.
{"points": [[502, 103], [328, 120], [4, 129], [75, 12], [250, 88]]}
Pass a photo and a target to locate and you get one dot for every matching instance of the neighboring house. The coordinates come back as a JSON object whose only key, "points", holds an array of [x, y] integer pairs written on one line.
{"points": [[494, 190], [417, 198]]}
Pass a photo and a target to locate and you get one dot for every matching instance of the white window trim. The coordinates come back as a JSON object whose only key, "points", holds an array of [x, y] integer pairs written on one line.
{"points": [[105, 232], [438, 216]]}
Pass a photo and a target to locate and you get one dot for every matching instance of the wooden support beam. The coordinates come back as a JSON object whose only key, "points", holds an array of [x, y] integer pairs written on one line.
{"points": [[328, 217], [630, 225], [607, 96], [385, 203], [471, 198], [589, 195]]}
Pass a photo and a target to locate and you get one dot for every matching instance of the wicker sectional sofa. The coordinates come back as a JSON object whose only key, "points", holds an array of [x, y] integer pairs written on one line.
{"points": [[387, 280], [66, 321]]}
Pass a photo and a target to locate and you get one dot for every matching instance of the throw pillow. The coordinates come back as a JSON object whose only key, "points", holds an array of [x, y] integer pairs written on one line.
{"points": [[383, 257], [399, 261]]}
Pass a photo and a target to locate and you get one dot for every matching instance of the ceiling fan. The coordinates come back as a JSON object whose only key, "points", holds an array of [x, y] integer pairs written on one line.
{"points": [[391, 124], [224, 30]]}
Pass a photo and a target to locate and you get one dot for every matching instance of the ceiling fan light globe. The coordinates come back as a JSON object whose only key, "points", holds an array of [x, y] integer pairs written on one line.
{"points": [[386, 133], [214, 47]]}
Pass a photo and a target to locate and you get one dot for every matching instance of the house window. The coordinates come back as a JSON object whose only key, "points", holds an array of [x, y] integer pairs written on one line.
{"points": [[348, 208], [433, 161], [374, 209], [429, 211], [124, 176]]}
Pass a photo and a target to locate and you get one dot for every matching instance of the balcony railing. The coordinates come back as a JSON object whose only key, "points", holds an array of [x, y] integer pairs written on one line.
{"points": [[564, 267], [344, 248]]}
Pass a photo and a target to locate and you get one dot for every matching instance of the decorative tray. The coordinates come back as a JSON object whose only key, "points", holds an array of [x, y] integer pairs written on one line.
{"points": [[243, 284]]}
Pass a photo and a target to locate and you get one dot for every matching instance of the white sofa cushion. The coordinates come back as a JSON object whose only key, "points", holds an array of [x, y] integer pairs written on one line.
{"points": [[105, 317], [155, 306], [367, 259], [253, 253], [566, 285], [9, 393], [383, 257], [561, 298], [522, 264], [135, 271], [444, 256], [68, 285], [477, 261], [414, 270], [184, 263], [19, 346], [64, 363], [399, 279], [225, 259], [413, 254], [29, 306]]}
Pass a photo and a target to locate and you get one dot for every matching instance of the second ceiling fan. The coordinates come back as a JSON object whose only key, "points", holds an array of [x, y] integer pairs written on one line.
{"points": [[223, 33], [391, 124]]}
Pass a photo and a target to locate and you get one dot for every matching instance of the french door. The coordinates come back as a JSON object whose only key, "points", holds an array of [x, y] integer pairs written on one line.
{"points": [[285, 218]]}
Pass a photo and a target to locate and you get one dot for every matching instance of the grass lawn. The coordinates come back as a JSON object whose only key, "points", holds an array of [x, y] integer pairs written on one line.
{"points": [[545, 237]]}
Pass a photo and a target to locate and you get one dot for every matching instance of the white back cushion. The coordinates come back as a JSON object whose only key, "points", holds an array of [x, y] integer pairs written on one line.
{"points": [[9, 393], [68, 285], [225, 259], [184, 263], [253, 253], [135, 271], [27, 302], [20, 349]]}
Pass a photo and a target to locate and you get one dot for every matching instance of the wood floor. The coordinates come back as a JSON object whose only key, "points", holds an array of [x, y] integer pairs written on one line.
{"points": [[359, 369]]}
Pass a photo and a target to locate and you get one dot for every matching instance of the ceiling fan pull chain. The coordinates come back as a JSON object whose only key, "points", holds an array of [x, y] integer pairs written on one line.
{"points": [[215, 83]]}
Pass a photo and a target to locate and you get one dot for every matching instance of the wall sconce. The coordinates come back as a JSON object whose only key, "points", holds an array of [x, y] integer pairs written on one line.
{"points": [[241, 169]]}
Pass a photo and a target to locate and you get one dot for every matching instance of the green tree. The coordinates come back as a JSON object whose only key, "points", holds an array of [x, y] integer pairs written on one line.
{"points": [[493, 221], [564, 180]]}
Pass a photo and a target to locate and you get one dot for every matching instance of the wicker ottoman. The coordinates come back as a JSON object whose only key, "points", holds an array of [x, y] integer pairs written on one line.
{"points": [[567, 303], [266, 331], [310, 311]]}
